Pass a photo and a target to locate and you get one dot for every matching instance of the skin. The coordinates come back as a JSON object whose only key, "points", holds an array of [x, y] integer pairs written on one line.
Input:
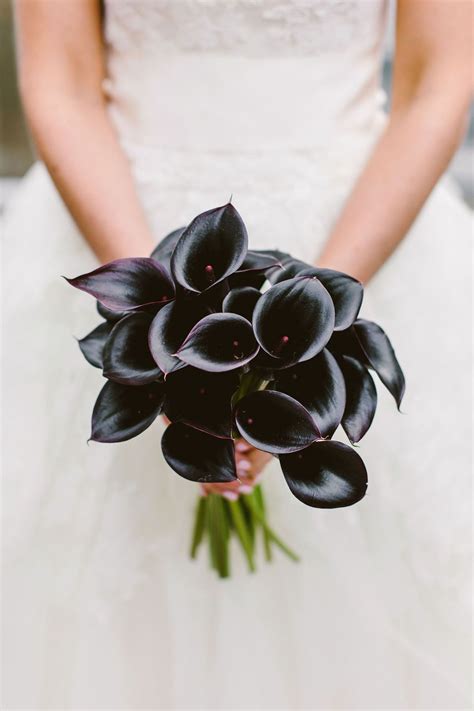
{"points": [[61, 64]]}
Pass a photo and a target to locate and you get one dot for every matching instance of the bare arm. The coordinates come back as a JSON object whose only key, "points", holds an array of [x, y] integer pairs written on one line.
{"points": [[432, 90], [61, 69]]}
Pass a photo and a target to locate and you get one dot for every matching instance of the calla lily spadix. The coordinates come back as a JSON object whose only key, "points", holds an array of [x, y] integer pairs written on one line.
{"points": [[229, 342]]}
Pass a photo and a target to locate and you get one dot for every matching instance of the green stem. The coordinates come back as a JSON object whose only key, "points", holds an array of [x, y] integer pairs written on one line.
{"points": [[242, 531], [199, 525], [276, 540], [258, 497]]}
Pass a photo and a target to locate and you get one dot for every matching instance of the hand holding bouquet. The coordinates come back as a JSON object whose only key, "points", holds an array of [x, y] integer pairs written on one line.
{"points": [[229, 343]]}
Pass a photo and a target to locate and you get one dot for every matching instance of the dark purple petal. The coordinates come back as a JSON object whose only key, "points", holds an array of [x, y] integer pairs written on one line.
{"points": [[169, 329], [381, 357], [164, 249], [211, 248], [326, 475], [254, 269], [361, 398], [275, 422], [124, 411], [242, 301], [92, 345], [319, 386], [197, 455], [345, 291], [201, 399], [219, 342], [127, 284], [127, 358], [294, 320]]}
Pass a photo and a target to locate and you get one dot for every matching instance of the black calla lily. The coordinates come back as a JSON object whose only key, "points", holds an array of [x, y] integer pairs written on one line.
{"points": [[242, 301], [275, 422], [325, 475], [345, 291], [127, 284], [201, 399], [92, 345], [169, 329], [361, 398], [211, 248], [198, 456], [369, 344], [126, 357], [294, 320], [124, 411], [318, 385], [219, 342]]}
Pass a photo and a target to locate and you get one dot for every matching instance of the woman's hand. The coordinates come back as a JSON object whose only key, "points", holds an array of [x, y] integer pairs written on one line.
{"points": [[250, 464]]}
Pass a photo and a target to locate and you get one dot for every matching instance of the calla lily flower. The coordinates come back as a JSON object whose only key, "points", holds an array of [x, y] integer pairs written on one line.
{"points": [[197, 455], [219, 342], [127, 284], [169, 329], [125, 411], [318, 385], [294, 320], [275, 422], [126, 356], [369, 344], [326, 475], [210, 249]]}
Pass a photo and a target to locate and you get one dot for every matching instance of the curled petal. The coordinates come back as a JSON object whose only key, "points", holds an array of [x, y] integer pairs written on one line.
{"points": [[211, 248], [92, 345], [126, 284], [318, 385], [168, 330], [164, 249], [326, 475], [201, 399], [241, 301], [197, 455], [127, 358], [124, 411], [219, 342], [294, 320], [275, 422], [361, 399]]}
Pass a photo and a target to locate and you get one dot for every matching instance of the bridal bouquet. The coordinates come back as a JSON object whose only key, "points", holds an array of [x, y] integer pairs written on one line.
{"points": [[232, 343]]}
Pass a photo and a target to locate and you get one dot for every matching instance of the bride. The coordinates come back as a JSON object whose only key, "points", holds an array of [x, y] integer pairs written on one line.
{"points": [[145, 113]]}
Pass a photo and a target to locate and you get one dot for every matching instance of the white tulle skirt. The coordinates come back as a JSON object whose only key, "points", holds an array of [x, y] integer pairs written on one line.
{"points": [[103, 608]]}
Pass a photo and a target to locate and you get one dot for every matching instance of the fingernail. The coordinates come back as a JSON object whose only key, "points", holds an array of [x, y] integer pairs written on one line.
{"points": [[231, 495], [244, 465], [242, 447], [245, 489]]}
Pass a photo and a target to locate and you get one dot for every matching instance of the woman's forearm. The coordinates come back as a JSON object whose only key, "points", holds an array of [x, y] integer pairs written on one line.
{"points": [[77, 142], [61, 72], [411, 155]]}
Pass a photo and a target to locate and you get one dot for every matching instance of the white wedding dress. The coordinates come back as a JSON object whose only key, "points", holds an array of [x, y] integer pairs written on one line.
{"points": [[277, 102]]}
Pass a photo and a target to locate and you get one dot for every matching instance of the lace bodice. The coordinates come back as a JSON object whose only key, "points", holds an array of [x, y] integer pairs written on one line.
{"points": [[244, 27], [251, 97]]}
